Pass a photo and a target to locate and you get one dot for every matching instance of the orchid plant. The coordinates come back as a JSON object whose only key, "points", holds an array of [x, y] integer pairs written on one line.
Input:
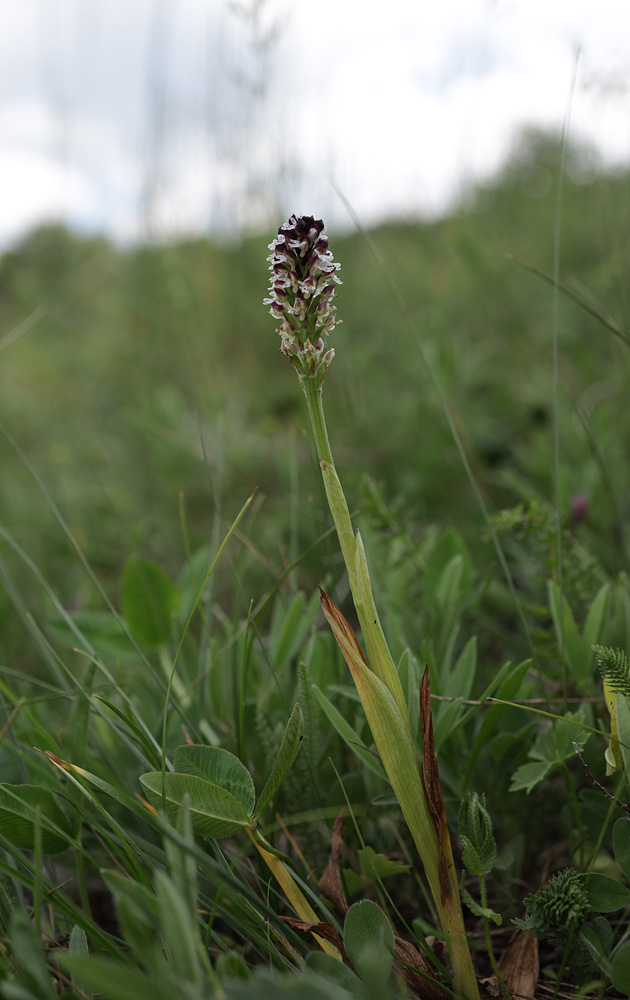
{"points": [[301, 294]]}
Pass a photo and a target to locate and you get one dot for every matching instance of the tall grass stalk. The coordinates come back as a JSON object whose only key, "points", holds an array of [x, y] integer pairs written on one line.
{"points": [[556, 366]]}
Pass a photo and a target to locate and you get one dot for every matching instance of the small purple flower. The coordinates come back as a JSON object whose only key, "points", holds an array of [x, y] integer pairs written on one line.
{"points": [[302, 288], [579, 508]]}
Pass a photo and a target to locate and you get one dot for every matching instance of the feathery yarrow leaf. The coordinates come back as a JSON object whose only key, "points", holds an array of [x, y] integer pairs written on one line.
{"points": [[559, 909], [614, 666]]}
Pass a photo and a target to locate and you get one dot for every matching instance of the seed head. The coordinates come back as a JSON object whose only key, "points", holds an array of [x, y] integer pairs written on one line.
{"points": [[302, 288]]}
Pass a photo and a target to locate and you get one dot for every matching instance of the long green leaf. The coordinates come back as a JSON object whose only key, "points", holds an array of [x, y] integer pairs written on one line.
{"points": [[621, 844], [29, 958], [622, 715], [289, 749], [148, 599], [117, 981], [567, 634], [596, 614], [349, 734], [179, 929], [18, 804], [150, 750], [620, 968]]}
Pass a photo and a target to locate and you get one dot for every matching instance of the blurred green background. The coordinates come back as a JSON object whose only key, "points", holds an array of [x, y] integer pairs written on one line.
{"points": [[147, 381]]}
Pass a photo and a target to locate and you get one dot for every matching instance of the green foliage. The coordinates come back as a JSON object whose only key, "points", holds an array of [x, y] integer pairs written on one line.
{"points": [[620, 968], [25, 808], [560, 909], [289, 749], [552, 747], [605, 894], [220, 768], [351, 737], [369, 942], [614, 667], [173, 418], [216, 788], [621, 844], [479, 849], [148, 599], [577, 648], [479, 852], [373, 868], [559, 912], [36, 981], [266, 986], [215, 812]]}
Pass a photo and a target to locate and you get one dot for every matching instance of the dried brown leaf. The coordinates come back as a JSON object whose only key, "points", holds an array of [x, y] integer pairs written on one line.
{"points": [[331, 884], [322, 929], [411, 964], [519, 965]]}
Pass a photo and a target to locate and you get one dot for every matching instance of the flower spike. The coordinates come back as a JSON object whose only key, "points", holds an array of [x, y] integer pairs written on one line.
{"points": [[302, 288]]}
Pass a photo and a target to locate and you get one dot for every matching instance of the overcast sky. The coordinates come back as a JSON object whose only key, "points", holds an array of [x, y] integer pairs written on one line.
{"points": [[159, 117]]}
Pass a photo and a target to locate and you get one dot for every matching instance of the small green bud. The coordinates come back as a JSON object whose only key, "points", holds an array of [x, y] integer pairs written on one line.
{"points": [[475, 833]]}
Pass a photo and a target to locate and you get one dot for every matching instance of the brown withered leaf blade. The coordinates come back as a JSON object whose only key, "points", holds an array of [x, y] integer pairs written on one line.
{"points": [[519, 965], [323, 930], [341, 628], [411, 964], [331, 884], [432, 786]]}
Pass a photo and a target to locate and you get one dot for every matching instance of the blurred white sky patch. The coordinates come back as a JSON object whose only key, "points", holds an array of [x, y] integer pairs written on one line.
{"points": [[160, 118]]}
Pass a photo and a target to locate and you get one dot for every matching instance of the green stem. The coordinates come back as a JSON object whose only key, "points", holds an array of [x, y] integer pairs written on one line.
{"points": [[486, 927], [379, 656], [577, 815], [334, 492], [395, 749]]}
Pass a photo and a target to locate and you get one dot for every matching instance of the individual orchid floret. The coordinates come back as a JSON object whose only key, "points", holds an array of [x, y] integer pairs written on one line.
{"points": [[302, 288]]}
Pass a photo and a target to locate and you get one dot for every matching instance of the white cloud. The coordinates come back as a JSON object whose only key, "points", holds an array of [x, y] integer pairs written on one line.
{"points": [[32, 191], [217, 121]]}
